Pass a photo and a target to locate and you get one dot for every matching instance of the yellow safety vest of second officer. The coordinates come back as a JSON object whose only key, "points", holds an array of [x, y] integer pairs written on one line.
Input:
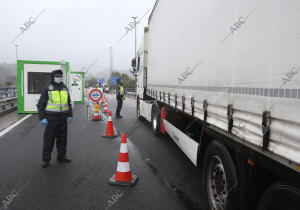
{"points": [[101, 89], [122, 90], [57, 101]]}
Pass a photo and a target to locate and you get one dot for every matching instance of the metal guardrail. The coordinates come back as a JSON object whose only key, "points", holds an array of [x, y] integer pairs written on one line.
{"points": [[7, 104], [130, 91], [8, 99], [9, 93]]}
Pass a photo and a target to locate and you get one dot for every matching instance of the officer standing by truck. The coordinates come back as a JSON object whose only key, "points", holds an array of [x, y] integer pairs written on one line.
{"points": [[55, 112], [120, 96]]}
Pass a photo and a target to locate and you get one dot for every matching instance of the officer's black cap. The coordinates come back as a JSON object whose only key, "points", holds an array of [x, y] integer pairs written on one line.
{"points": [[55, 72]]}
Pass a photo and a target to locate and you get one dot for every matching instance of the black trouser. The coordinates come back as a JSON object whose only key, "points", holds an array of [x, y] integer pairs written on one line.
{"points": [[120, 103], [57, 128]]}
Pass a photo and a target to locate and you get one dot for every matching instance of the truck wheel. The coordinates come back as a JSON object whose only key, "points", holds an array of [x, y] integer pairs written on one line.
{"points": [[280, 196], [220, 178], [155, 119], [138, 112]]}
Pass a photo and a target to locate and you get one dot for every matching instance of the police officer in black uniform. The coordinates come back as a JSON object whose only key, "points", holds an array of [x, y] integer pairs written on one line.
{"points": [[55, 112], [120, 97]]}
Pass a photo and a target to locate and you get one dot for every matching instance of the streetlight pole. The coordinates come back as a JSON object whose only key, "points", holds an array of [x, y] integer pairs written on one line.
{"points": [[135, 50], [111, 66], [16, 51]]}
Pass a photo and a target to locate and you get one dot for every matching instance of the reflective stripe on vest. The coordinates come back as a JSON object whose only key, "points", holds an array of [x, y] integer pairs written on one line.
{"points": [[57, 101]]}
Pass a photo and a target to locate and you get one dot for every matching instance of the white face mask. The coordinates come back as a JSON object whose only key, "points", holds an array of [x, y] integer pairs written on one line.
{"points": [[58, 80]]}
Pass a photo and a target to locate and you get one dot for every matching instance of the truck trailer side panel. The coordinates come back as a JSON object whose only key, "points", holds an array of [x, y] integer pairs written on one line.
{"points": [[234, 56]]}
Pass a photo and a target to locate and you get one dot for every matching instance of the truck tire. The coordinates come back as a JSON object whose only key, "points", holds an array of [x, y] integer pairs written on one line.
{"points": [[220, 178], [155, 119], [280, 196], [138, 111]]}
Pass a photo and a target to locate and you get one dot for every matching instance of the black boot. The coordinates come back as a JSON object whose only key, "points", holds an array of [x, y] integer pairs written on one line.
{"points": [[66, 159], [45, 164]]}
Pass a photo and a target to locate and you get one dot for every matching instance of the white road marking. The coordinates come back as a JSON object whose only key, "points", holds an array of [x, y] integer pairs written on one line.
{"points": [[9, 128]]}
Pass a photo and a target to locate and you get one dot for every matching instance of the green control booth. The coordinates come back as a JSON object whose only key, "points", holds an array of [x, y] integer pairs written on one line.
{"points": [[32, 76]]}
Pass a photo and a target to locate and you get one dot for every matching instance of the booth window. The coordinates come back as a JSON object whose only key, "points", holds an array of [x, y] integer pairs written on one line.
{"points": [[36, 81]]}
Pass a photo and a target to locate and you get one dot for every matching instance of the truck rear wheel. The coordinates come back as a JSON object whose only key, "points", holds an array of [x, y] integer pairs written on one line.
{"points": [[155, 119], [220, 178], [280, 196]]}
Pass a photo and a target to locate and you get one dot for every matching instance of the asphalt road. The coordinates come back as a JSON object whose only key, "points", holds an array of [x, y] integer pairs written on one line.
{"points": [[165, 158], [167, 179], [9, 118]]}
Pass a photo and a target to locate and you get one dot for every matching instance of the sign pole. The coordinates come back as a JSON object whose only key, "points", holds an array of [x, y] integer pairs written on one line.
{"points": [[88, 105]]}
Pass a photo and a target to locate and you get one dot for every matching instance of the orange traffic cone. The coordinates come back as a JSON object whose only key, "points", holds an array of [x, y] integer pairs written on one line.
{"points": [[105, 110], [110, 127], [123, 175], [96, 116]]}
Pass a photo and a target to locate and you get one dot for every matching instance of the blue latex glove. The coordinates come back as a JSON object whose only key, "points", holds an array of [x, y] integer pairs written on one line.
{"points": [[69, 119], [45, 122]]}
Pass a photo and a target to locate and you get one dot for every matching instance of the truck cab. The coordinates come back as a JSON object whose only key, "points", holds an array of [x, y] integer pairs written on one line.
{"points": [[139, 66]]}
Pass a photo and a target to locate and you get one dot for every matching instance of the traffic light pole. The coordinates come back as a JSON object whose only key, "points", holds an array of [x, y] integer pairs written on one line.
{"points": [[111, 67]]}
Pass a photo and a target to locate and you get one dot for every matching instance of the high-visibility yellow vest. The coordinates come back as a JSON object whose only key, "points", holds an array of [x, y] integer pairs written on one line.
{"points": [[121, 90], [101, 89], [57, 101]]}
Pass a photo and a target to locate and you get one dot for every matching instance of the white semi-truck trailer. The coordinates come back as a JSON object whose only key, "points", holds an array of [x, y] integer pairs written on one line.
{"points": [[221, 78]]}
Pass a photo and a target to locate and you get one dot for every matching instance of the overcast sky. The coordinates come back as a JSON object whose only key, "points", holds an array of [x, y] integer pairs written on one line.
{"points": [[78, 31]]}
